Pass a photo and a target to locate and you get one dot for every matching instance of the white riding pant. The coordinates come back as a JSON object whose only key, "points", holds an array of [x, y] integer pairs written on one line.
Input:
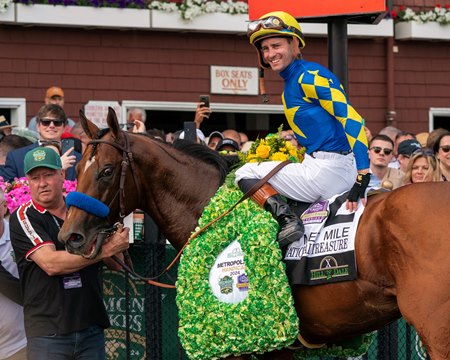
{"points": [[318, 177]]}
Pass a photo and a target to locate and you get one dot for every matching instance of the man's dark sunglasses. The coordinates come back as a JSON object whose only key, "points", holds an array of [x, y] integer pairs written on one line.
{"points": [[47, 122], [377, 150]]}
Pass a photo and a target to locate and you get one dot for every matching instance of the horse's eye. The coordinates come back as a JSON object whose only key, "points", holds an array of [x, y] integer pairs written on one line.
{"points": [[106, 172]]}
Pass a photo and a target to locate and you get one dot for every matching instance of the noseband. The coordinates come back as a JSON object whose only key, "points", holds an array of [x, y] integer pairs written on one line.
{"points": [[127, 160]]}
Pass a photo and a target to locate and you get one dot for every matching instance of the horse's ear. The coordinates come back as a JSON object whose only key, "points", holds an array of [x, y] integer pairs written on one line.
{"points": [[89, 128], [113, 123]]}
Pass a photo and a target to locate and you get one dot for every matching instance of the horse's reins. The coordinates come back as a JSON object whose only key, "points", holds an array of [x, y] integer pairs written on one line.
{"points": [[248, 194], [128, 160]]}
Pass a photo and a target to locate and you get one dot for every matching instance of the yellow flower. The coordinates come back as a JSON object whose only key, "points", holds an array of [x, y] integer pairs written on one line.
{"points": [[279, 156], [289, 145], [263, 151], [293, 152]]}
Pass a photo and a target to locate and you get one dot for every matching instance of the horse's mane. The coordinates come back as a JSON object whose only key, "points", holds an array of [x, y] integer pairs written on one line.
{"points": [[200, 152], [205, 154]]}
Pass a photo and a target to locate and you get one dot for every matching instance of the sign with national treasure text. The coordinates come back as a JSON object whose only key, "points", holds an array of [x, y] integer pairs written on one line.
{"points": [[234, 80]]}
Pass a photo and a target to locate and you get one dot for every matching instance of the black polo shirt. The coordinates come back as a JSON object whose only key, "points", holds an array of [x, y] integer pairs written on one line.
{"points": [[58, 304]]}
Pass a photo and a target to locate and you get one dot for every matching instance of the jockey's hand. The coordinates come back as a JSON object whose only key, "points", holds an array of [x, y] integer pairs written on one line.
{"points": [[358, 192]]}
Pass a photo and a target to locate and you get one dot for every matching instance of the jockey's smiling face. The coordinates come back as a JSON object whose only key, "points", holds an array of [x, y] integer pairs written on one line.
{"points": [[279, 52]]}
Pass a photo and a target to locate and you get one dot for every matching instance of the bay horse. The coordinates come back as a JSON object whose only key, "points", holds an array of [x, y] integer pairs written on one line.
{"points": [[402, 242]]}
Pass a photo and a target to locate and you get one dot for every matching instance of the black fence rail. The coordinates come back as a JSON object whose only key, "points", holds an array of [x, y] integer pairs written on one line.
{"points": [[144, 318]]}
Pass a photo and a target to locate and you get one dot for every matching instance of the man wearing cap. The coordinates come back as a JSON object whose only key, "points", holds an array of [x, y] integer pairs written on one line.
{"points": [[227, 145], [404, 151], [214, 138], [51, 122], [64, 313], [53, 95], [5, 127], [324, 122]]}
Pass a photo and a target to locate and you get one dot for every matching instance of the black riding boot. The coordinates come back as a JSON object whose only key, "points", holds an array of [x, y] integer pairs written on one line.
{"points": [[291, 227]]}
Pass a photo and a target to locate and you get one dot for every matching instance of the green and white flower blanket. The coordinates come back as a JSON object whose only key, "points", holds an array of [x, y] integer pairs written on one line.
{"points": [[233, 295]]}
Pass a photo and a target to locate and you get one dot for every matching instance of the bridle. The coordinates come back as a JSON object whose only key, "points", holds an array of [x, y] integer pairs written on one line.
{"points": [[127, 161]]}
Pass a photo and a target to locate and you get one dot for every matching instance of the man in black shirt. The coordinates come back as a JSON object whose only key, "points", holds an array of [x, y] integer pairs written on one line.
{"points": [[63, 305]]}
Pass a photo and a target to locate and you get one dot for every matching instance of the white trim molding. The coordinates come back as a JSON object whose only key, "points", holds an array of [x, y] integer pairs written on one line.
{"points": [[104, 17], [9, 15], [18, 109], [191, 106], [436, 112], [82, 16], [214, 22], [412, 30]]}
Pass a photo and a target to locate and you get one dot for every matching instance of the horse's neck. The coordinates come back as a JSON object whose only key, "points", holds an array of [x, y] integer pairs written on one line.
{"points": [[177, 194]]}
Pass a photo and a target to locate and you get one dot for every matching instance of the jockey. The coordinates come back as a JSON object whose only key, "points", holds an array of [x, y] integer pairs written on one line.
{"points": [[323, 121]]}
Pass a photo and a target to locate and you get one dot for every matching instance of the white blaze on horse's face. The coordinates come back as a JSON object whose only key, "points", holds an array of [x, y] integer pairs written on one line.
{"points": [[89, 163]]}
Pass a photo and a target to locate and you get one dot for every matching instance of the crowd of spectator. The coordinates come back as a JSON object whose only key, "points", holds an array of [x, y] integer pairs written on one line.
{"points": [[397, 158]]}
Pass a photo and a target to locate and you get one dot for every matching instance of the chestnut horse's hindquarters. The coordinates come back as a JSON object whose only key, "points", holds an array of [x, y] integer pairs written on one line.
{"points": [[408, 253]]}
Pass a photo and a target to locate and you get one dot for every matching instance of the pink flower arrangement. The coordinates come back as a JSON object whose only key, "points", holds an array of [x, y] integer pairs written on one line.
{"points": [[18, 192]]}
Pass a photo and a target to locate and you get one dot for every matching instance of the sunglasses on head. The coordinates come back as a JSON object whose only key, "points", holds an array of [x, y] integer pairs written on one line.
{"points": [[377, 150], [270, 23], [423, 152], [47, 122], [445, 148]]}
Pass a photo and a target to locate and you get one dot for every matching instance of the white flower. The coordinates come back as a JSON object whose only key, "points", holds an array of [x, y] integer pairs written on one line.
{"points": [[439, 14], [4, 4], [190, 9]]}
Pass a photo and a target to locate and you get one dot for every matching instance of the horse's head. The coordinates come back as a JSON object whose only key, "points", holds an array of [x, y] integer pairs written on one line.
{"points": [[104, 174]]}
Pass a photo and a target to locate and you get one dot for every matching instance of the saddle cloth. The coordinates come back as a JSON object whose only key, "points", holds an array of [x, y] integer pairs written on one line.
{"points": [[326, 253]]}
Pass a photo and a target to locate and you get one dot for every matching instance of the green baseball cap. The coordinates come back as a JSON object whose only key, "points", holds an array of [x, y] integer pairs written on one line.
{"points": [[42, 157]]}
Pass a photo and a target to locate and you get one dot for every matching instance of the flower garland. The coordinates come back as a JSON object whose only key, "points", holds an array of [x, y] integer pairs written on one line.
{"points": [[351, 348], [273, 148], [210, 328], [18, 192], [438, 14]]}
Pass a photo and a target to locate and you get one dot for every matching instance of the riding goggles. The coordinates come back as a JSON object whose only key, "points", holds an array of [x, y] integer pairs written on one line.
{"points": [[270, 23]]}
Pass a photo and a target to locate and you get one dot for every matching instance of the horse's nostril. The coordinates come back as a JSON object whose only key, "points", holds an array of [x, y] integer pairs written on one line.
{"points": [[75, 241]]}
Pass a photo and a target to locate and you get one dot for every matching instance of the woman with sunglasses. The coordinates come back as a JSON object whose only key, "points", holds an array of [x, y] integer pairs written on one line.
{"points": [[323, 121], [441, 149], [422, 167]]}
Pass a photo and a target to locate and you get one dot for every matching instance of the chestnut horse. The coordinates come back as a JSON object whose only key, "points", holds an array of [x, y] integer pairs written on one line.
{"points": [[402, 243]]}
